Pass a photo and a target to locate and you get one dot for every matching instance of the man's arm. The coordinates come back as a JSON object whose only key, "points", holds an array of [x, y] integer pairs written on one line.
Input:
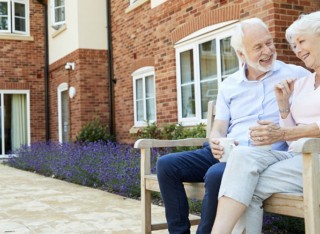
{"points": [[219, 129]]}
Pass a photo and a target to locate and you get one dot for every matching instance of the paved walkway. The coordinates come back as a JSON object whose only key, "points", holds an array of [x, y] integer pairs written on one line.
{"points": [[31, 203]]}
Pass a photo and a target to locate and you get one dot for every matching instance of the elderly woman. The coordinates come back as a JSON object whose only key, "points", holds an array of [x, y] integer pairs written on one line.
{"points": [[252, 175]]}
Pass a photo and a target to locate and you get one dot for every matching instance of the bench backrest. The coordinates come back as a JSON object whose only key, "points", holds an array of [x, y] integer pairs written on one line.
{"points": [[210, 116]]}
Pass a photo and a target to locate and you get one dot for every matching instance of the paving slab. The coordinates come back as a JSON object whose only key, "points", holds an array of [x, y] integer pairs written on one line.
{"points": [[35, 204]]}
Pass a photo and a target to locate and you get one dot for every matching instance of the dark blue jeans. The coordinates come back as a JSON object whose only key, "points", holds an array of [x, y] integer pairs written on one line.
{"points": [[190, 166]]}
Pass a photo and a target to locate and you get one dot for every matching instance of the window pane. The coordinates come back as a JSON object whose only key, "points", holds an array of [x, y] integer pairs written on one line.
{"points": [[20, 25], [139, 89], [4, 8], [59, 14], [19, 19], [229, 60], [208, 60], [140, 110], [187, 69], [151, 109], [59, 10], [20, 10], [188, 101], [65, 116], [209, 91], [3, 23], [59, 3], [149, 86], [208, 74], [15, 122]]}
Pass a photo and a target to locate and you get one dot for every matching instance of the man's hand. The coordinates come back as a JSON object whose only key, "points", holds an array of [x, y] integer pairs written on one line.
{"points": [[266, 133], [217, 149]]}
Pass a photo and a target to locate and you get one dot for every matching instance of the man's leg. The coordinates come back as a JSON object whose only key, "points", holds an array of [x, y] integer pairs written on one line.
{"points": [[172, 171], [212, 181]]}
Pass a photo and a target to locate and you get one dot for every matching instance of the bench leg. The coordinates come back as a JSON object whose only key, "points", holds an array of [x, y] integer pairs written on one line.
{"points": [[311, 176], [146, 211]]}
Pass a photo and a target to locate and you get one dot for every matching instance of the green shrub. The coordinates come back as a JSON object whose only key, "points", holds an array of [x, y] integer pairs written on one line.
{"points": [[171, 132], [93, 131]]}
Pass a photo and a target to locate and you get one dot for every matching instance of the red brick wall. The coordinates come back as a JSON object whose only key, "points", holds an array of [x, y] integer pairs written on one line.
{"points": [[22, 67], [146, 36], [90, 79]]}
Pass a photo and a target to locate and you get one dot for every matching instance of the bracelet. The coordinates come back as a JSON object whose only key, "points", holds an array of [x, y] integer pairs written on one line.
{"points": [[284, 110]]}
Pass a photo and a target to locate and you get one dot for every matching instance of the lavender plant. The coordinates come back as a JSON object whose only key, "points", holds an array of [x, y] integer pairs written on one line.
{"points": [[109, 165]]}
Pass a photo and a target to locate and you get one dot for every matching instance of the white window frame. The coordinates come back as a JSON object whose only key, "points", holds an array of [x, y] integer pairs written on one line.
{"points": [[2, 93], [133, 2], [192, 42], [141, 74], [61, 88], [53, 15], [11, 17]]}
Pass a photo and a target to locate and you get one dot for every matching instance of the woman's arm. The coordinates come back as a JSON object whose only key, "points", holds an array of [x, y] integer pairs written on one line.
{"points": [[297, 132]]}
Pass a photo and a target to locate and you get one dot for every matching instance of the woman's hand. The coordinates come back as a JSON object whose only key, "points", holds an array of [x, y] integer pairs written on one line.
{"points": [[283, 92], [266, 133], [284, 89]]}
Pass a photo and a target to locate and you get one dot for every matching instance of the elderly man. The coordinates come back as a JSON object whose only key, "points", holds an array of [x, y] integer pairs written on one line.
{"points": [[244, 98]]}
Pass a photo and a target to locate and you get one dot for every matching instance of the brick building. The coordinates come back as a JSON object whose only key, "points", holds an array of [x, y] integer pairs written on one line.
{"points": [[170, 56], [22, 52], [168, 59]]}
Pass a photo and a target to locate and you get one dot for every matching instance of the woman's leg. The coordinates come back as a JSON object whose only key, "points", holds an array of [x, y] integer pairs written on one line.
{"points": [[241, 176], [281, 177], [225, 221]]}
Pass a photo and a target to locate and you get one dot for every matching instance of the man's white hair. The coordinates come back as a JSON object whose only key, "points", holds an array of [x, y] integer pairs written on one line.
{"points": [[238, 35]]}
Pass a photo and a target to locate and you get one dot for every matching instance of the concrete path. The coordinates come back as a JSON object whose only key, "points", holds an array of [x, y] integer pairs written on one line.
{"points": [[31, 203]]}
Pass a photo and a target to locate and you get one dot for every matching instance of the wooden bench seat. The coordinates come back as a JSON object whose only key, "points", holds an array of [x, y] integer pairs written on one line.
{"points": [[305, 205]]}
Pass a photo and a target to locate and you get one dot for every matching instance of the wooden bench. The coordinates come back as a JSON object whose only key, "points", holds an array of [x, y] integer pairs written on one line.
{"points": [[306, 205]]}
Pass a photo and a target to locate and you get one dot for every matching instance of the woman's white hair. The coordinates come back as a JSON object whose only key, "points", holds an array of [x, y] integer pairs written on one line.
{"points": [[305, 24], [238, 35]]}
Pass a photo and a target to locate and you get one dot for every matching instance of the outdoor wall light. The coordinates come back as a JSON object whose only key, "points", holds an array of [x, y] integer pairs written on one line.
{"points": [[72, 92], [69, 66]]}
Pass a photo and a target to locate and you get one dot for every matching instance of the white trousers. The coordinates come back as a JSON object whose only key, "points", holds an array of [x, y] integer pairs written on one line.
{"points": [[252, 175]]}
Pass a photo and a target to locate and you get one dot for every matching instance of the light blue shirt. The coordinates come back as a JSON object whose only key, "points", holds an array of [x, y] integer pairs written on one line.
{"points": [[242, 102]]}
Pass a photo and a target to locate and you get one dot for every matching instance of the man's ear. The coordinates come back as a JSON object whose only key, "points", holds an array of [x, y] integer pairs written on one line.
{"points": [[241, 56]]}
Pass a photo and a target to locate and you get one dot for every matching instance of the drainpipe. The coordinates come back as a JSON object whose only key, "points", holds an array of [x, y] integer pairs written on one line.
{"points": [[46, 69], [111, 79]]}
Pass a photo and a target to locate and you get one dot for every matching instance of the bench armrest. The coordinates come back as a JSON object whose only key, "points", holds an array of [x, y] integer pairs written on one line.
{"points": [[307, 146], [146, 144]]}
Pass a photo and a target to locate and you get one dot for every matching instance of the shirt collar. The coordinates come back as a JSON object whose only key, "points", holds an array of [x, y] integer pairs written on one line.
{"points": [[242, 70]]}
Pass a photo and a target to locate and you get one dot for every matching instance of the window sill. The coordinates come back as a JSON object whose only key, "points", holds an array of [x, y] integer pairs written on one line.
{"points": [[59, 31], [135, 129], [155, 3], [136, 5], [16, 37]]}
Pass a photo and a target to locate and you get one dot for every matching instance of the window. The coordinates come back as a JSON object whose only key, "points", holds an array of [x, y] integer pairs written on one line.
{"points": [[63, 113], [144, 96], [14, 119], [14, 16], [57, 12], [203, 62]]}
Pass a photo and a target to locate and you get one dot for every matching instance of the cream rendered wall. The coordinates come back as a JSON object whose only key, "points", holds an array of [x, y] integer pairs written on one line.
{"points": [[85, 27], [92, 20]]}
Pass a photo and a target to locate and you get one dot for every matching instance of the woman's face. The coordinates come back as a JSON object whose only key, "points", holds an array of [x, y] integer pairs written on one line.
{"points": [[307, 48]]}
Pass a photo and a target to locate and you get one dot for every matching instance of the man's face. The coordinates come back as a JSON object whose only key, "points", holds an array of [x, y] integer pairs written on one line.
{"points": [[259, 51]]}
